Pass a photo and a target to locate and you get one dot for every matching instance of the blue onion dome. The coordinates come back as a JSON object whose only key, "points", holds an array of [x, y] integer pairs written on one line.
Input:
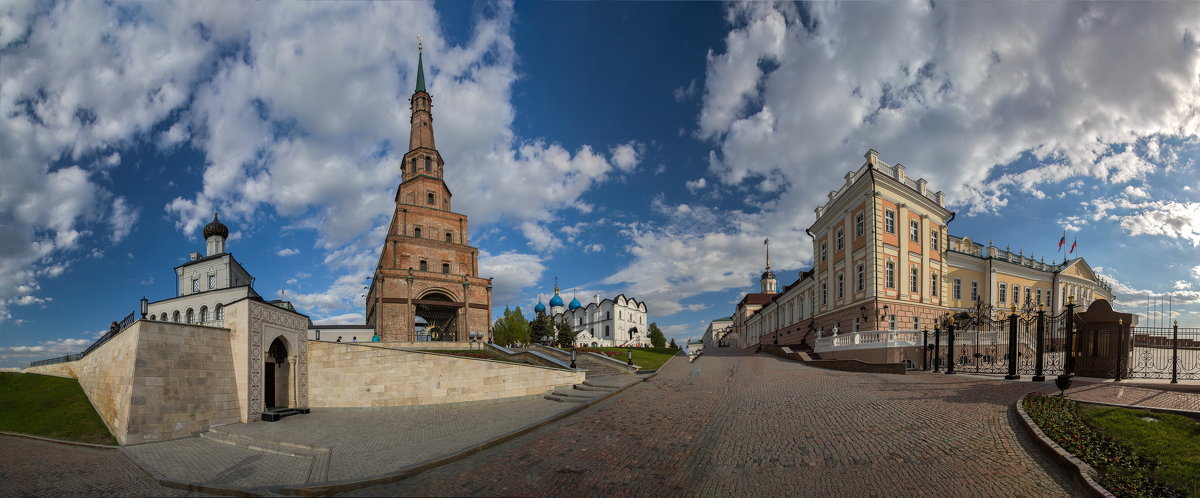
{"points": [[540, 308], [574, 304], [216, 228], [556, 301]]}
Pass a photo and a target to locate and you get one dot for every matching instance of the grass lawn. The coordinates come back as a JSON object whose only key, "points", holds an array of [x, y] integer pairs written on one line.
{"points": [[647, 358], [54, 407], [1172, 440]]}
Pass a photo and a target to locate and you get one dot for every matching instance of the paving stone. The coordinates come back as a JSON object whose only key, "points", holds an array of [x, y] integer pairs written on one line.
{"points": [[37, 468]]}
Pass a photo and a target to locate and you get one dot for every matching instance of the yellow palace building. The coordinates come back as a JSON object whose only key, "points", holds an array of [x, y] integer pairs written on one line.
{"points": [[885, 268]]}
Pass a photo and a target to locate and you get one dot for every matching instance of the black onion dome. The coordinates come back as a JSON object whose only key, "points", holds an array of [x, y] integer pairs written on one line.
{"points": [[216, 228], [768, 274]]}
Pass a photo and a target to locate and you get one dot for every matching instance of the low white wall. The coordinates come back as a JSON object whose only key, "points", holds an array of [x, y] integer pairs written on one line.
{"points": [[365, 375]]}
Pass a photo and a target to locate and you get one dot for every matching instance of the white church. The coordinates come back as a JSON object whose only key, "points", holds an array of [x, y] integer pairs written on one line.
{"points": [[616, 322]]}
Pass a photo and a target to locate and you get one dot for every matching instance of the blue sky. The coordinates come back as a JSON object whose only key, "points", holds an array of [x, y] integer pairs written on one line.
{"points": [[643, 148]]}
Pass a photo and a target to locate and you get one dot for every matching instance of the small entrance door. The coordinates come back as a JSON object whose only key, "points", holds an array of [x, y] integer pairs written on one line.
{"points": [[269, 384]]}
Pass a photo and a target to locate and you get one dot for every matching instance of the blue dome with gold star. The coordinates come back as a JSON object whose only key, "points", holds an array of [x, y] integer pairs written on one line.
{"points": [[574, 304], [556, 301]]}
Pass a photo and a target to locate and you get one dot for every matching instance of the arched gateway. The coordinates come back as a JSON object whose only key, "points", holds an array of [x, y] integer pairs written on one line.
{"points": [[441, 314], [277, 375]]}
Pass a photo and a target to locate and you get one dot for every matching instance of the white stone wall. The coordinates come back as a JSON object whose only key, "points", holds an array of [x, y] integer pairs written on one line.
{"points": [[197, 302], [227, 271], [619, 314], [374, 374]]}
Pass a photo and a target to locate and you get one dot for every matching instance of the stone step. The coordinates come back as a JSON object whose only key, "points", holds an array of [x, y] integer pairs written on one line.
{"points": [[578, 394], [274, 415], [565, 399], [592, 383], [318, 470], [585, 387]]}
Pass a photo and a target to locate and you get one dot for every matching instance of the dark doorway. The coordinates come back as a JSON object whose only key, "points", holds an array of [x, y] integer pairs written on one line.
{"points": [[275, 375], [442, 319]]}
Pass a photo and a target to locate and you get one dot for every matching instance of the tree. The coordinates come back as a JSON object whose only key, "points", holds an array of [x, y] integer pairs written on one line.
{"points": [[541, 329], [657, 339], [511, 328], [566, 335], [673, 346]]}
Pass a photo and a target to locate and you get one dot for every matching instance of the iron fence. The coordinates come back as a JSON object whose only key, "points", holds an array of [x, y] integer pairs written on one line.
{"points": [[116, 328]]}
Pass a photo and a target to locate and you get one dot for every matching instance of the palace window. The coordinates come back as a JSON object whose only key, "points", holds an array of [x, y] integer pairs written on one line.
{"points": [[974, 291], [175, 316], [424, 265], [840, 240], [841, 280], [606, 332], [1039, 296], [861, 277], [445, 267], [195, 285], [958, 288], [1003, 292], [916, 323], [824, 251], [824, 293], [220, 312], [891, 322], [190, 316], [914, 230], [1016, 294], [889, 221], [163, 316], [212, 281], [859, 225], [203, 314], [417, 232], [914, 280], [889, 275], [1028, 295], [933, 239], [933, 284]]}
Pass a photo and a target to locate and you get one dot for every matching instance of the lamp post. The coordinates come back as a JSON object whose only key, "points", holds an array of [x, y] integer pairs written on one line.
{"points": [[573, 367], [950, 345], [145, 307], [1012, 346]]}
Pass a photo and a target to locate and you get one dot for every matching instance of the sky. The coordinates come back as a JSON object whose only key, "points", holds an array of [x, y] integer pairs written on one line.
{"points": [[636, 148]]}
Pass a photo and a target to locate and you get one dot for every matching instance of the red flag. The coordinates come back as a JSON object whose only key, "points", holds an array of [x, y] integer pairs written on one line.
{"points": [[1062, 241], [1073, 244]]}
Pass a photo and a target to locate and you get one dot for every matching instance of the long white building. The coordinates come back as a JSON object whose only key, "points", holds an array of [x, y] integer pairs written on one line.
{"points": [[616, 322]]}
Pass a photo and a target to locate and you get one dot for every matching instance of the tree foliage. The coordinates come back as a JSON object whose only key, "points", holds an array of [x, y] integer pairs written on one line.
{"points": [[511, 328], [566, 335], [657, 339], [673, 345], [541, 329]]}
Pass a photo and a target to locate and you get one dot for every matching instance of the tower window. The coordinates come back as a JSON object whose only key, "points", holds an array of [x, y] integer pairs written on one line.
{"points": [[212, 281], [430, 199], [417, 232], [424, 265], [448, 236], [428, 166], [445, 267], [195, 285], [413, 169]]}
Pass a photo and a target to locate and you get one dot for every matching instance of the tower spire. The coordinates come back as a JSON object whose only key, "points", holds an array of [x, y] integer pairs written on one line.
{"points": [[420, 66], [767, 242]]}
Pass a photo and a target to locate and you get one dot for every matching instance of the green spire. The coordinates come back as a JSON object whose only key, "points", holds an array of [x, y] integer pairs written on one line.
{"points": [[420, 71]]}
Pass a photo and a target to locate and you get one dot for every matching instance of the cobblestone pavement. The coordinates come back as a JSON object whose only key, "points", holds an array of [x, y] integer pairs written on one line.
{"points": [[1118, 394], [740, 425], [38, 468]]}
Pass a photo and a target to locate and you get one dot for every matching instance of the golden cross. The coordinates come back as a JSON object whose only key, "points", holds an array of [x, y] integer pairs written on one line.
{"points": [[420, 43]]}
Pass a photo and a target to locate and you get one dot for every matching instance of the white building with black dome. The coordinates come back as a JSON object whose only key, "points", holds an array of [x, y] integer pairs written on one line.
{"points": [[616, 322]]}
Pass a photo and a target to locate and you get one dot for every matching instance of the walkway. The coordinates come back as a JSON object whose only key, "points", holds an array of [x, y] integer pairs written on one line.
{"points": [[732, 425], [29, 467]]}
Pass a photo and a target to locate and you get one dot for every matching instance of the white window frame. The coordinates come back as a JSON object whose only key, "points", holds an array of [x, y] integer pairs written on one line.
{"points": [[933, 238], [824, 293], [933, 287], [914, 231], [1002, 293], [889, 275], [195, 284], [914, 279], [859, 225], [212, 282], [958, 288], [841, 240], [841, 285], [889, 221]]}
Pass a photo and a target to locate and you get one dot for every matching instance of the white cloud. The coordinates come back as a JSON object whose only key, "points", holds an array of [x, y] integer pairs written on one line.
{"points": [[695, 185], [1135, 192], [1182, 285], [344, 319], [287, 252], [1196, 271], [122, 220], [684, 93], [540, 238], [513, 273], [625, 156], [1169, 219], [590, 248], [60, 346]]}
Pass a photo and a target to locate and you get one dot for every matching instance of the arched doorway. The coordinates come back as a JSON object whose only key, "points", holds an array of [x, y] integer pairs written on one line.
{"points": [[440, 312], [276, 376]]}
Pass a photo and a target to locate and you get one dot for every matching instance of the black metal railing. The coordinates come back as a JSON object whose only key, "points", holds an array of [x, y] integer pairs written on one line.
{"points": [[116, 328]]}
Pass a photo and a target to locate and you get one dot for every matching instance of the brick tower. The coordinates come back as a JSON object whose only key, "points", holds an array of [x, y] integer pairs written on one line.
{"points": [[426, 268]]}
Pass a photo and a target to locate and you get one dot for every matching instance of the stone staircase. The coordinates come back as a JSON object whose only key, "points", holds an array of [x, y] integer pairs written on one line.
{"points": [[272, 415], [581, 393], [595, 365], [806, 349]]}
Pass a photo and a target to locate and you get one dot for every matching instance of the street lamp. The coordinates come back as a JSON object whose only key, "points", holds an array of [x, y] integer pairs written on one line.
{"points": [[145, 307]]}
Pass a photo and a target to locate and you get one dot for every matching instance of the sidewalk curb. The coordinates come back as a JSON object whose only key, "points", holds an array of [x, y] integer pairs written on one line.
{"points": [[1083, 473], [60, 441]]}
